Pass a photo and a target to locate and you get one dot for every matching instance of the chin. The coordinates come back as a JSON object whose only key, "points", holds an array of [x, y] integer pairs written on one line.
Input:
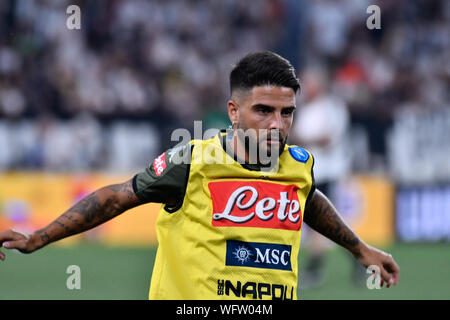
{"points": [[269, 150]]}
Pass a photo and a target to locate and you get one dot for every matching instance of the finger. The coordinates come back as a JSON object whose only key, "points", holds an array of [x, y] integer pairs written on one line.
{"points": [[12, 235], [389, 274], [17, 244], [6, 235], [386, 277], [393, 266], [393, 269], [390, 282], [396, 277], [19, 235], [2, 256]]}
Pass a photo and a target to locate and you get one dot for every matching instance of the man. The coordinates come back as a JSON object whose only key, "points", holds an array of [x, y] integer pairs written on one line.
{"points": [[234, 204]]}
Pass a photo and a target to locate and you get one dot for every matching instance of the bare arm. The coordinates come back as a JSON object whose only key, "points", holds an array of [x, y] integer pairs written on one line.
{"points": [[91, 211], [323, 217]]}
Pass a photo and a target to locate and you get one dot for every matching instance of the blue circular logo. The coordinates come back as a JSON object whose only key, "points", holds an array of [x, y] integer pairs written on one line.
{"points": [[299, 154]]}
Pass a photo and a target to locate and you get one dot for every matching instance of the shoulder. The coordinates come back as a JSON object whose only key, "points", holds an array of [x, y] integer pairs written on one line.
{"points": [[202, 143], [299, 154], [179, 154]]}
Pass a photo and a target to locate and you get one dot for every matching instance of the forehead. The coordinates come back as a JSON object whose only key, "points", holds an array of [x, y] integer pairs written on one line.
{"points": [[272, 96]]}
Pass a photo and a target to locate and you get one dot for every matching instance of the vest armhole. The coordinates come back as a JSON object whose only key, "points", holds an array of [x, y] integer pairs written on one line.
{"points": [[180, 201], [313, 186]]}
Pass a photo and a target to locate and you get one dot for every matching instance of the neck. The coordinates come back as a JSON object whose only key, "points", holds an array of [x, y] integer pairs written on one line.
{"points": [[238, 147]]}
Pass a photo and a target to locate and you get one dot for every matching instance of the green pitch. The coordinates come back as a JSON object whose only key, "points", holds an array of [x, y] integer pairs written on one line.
{"points": [[124, 273]]}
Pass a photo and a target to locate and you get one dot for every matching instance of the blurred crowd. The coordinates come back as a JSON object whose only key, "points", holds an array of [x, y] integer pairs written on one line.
{"points": [[109, 95]]}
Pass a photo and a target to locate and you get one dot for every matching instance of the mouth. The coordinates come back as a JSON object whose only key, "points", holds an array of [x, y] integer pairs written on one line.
{"points": [[273, 139], [273, 142]]}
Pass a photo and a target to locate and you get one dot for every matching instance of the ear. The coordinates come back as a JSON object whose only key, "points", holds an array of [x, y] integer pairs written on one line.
{"points": [[233, 111]]}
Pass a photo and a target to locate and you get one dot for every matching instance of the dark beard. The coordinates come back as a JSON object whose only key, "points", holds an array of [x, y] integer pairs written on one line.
{"points": [[248, 141], [282, 144]]}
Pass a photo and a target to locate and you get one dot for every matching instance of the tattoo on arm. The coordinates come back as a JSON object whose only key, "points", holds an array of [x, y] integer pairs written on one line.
{"points": [[98, 207], [321, 216], [102, 206], [87, 207], [125, 188], [43, 235]]}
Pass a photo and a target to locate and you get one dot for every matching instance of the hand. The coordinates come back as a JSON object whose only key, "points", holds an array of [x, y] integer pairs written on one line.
{"points": [[389, 269], [11, 239]]}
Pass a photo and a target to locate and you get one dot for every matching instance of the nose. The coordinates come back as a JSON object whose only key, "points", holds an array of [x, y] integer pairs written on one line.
{"points": [[276, 122]]}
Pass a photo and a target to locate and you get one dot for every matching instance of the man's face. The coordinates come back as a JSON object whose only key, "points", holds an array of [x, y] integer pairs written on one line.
{"points": [[268, 110]]}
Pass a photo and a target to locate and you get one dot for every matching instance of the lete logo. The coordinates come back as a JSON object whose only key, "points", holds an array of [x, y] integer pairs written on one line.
{"points": [[255, 204], [159, 164]]}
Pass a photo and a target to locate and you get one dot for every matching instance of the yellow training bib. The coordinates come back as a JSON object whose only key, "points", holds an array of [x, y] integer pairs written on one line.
{"points": [[237, 233]]}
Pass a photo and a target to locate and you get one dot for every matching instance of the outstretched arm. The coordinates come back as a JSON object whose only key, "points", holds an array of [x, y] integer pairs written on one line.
{"points": [[322, 216], [91, 211]]}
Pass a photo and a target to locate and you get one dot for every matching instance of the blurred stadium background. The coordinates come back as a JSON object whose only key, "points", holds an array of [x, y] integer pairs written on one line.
{"points": [[83, 108]]}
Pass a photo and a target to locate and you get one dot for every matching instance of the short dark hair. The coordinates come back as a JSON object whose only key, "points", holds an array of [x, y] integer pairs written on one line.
{"points": [[263, 68]]}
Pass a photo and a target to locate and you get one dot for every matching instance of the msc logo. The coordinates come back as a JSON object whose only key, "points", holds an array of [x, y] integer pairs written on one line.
{"points": [[258, 255]]}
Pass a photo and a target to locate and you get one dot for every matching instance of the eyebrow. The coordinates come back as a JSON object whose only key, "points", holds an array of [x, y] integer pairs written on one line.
{"points": [[260, 105]]}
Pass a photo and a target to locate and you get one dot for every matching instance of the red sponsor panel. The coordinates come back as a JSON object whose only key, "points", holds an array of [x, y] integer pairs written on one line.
{"points": [[255, 204], [159, 164]]}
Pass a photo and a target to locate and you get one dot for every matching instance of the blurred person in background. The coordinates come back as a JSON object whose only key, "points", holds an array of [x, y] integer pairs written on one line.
{"points": [[321, 125], [122, 65]]}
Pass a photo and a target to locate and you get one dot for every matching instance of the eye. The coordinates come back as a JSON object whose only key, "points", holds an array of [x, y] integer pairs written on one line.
{"points": [[263, 110], [287, 111]]}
